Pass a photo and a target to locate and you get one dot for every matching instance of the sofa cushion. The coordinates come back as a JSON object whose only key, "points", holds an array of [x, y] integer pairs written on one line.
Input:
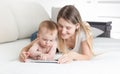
{"points": [[33, 36], [10, 51], [8, 27], [54, 13], [28, 16]]}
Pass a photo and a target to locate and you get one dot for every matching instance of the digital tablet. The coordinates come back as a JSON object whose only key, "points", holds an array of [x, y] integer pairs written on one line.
{"points": [[41, 61]]}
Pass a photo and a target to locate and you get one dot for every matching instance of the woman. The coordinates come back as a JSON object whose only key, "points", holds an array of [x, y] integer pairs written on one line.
{"points": [[74, 38]]}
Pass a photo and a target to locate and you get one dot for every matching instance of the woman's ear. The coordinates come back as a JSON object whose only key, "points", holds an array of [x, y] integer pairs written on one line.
{"points": [[77, 26]]}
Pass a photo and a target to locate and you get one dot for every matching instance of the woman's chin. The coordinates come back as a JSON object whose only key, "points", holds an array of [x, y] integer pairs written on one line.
{"points": [[64, 37]]}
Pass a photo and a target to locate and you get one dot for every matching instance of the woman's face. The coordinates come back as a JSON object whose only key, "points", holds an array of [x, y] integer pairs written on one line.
{"points": [[66, 29]]}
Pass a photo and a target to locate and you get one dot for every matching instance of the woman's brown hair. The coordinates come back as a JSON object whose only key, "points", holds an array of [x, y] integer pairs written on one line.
{"points": [[71, 14]]}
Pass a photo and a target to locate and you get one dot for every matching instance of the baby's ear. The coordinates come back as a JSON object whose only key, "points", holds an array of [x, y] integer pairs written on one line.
{"points": [[37, 35]]}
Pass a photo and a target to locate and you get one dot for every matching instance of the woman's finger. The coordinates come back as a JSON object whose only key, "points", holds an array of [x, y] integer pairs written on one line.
{"points": [[21, 58], [24, 56], [62, 59], [65, 59]]}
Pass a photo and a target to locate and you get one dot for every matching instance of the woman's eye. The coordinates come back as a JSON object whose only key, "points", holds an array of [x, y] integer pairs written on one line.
{"points": [[61, 26]]}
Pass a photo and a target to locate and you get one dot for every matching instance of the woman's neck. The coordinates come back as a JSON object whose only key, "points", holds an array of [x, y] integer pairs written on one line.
{"points": [[70, 43], [71, 38]]}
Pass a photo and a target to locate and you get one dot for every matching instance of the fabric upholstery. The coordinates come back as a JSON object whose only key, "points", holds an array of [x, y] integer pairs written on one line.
{"points": [[20, 19], [28, 17], [8, 27]]}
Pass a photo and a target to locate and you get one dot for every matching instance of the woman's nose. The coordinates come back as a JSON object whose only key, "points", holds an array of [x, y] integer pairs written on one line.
{"points": [[63, 30]]}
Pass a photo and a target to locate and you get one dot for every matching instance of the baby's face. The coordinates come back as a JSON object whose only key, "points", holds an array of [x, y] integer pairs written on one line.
{"points": [[47, 39]]}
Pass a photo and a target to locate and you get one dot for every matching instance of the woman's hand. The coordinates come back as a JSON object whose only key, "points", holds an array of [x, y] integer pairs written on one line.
{"points": [[23, 56], [66, 58], [70, 56]]}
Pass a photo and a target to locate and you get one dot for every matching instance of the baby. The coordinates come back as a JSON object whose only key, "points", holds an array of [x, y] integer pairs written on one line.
{"points": [[44, 48]]}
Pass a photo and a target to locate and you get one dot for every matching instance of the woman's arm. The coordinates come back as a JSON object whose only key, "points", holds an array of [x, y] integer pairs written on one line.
{"points": [[85, 55], [23, 54], [71, 55]]}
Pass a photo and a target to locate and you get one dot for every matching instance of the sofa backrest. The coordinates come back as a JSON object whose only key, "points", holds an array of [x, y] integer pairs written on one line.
{"points": [[20, 20], [8, 27]]}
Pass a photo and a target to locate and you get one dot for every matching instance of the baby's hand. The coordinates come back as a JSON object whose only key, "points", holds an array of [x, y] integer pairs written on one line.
{"points": [[43, 57], [33, 53]]}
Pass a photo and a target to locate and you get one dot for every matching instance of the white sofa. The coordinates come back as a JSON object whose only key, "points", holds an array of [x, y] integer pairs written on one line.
{"points": [[17, 22]]}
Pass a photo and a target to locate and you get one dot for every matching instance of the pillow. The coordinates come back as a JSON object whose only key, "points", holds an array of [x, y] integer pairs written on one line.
{"points": [[33, 36], [96, 32], [54, 12]]}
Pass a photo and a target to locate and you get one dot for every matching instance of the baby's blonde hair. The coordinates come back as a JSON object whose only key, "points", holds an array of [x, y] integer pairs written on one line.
{"points": [[49, 25]]}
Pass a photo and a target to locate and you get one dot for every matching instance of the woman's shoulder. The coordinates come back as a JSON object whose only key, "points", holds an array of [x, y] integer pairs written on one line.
{"points": [[86, 23]]}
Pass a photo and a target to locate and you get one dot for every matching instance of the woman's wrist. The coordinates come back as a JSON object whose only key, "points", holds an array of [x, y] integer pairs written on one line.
{"points": [[73, 55]]}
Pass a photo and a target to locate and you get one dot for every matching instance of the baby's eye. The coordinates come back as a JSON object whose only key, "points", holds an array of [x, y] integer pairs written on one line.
{"points": [[51, 40], [45, 39], [68, 28]]}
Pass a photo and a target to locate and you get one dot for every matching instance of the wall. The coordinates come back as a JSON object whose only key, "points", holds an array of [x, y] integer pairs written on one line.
{"points": [[91, 10]]}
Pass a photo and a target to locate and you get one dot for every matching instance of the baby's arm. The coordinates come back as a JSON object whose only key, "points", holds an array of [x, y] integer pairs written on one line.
{"points": [[51, 53], [34, 51]]}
